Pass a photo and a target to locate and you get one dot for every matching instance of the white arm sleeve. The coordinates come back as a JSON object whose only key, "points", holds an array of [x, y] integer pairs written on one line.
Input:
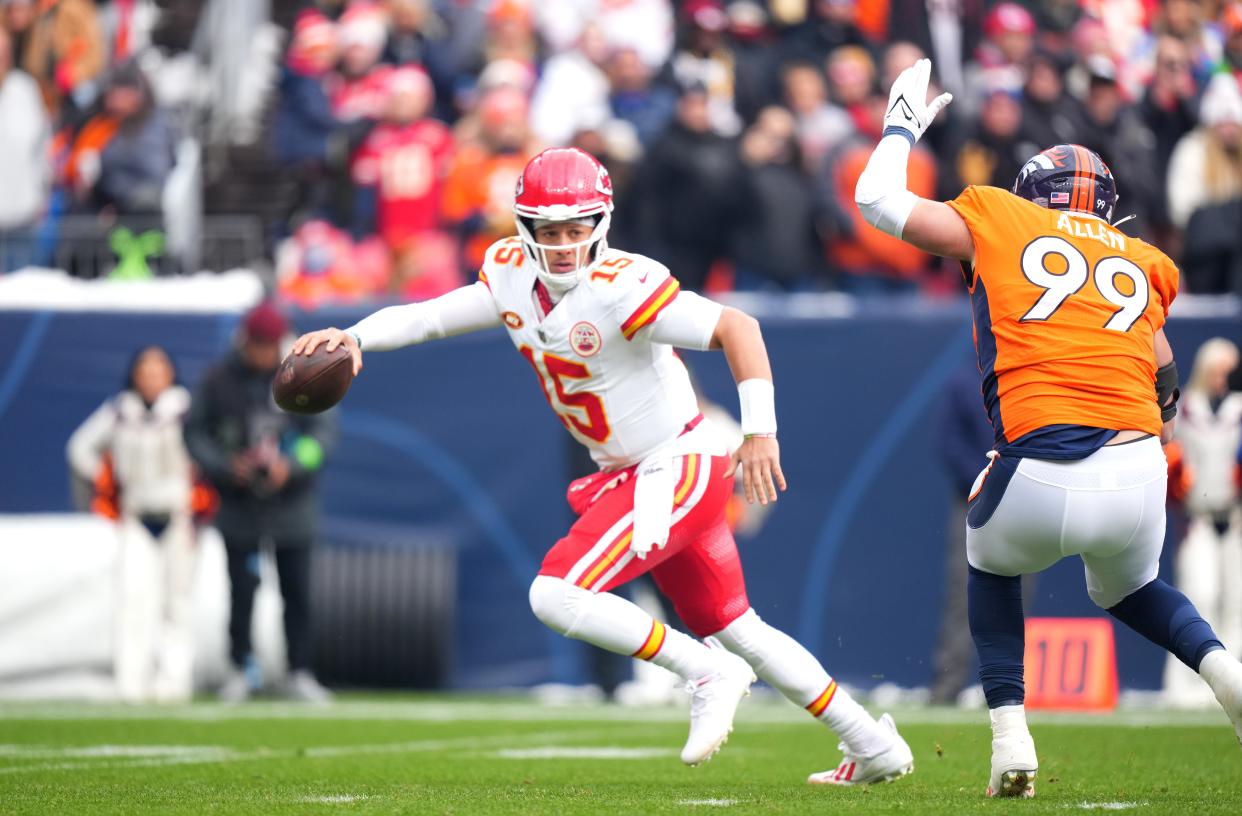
{"points": [[688, 322], [881, 192], [470, 308]]}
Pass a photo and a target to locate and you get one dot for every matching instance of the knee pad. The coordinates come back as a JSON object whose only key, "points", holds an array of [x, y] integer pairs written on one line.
{"points": [[552, 601]]}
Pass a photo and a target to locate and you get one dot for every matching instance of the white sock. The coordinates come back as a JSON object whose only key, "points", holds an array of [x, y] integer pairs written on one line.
{"points": [[1222, 672], [1009, 721], [613, 623], [785, 665]]}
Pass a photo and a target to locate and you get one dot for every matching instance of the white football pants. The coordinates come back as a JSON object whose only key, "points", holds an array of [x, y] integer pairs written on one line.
{"points": [[1107, 508], [154, 650]]}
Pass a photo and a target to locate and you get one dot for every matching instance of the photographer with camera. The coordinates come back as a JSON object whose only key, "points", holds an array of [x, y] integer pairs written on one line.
{"points": [[264, 463]]}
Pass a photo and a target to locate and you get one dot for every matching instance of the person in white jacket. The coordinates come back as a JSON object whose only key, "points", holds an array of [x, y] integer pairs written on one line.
{"points": [[140, 431], [1209, 559]]}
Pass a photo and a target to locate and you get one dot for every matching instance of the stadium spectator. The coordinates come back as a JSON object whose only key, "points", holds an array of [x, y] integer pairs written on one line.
{"points": [[636, 97], [1049, 115], [704, 58], [63, 50], [1186, 20], [755, 58], [573, 89], [265, 464], [994, 149], [829, 24], [1205, 191], [687, 191], [1205, 162], [401, 170], [1209, 559], [1112, 128], [305, 124], [851, 82], [646, 26], [124, 154], [134, 441], [947, 30], [417, 35], [776, 245], [1168, 110], [357, 89], [478, 194], [25, 163], [821, 126], [322, 265], [1002, 56]]}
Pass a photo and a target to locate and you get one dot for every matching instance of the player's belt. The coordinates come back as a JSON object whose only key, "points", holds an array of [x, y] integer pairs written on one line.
{"points": [[691, 425]]}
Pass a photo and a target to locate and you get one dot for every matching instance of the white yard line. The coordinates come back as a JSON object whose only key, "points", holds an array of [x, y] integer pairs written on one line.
{"points": [[707, 802], [774, 712], [1107, 805], [333, 799], [218, 756], [584, 752]]}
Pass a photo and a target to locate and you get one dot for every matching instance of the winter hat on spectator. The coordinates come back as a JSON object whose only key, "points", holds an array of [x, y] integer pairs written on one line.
{"points": [[1101, 69], [515, 11], [1008, 18], [708, 15], [313, 45], [1222, 101], [748, 20], [507, 73], [364, 24], [265, 323]]}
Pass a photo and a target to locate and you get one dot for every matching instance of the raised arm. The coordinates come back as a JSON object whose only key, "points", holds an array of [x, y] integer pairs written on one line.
{"points": [[881, 193], [470, 308]]}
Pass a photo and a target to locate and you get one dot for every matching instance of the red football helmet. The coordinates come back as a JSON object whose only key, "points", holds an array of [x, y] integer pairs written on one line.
{"points": [[564, 184]]}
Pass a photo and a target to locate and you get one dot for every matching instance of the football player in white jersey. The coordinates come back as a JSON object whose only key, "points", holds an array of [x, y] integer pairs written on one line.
{"points": [[599, 326]]}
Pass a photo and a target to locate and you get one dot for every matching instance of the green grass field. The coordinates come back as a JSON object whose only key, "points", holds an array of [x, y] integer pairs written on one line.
{"points": [[463, 756]]}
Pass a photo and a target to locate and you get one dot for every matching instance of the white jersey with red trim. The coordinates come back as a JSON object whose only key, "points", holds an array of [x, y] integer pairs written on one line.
{"points": [[615, 387]]}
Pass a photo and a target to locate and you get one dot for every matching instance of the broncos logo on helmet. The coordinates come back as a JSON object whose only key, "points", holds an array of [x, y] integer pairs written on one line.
{"points": [[1068, 177]]}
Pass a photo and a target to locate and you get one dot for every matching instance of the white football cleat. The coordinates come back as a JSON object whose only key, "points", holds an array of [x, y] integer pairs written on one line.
{"points": [[893, 763], [1013, 767], [1223, 674], [714, 700]]}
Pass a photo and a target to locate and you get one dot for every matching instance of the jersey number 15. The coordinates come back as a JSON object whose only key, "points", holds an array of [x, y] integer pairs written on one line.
{"points": [[1059, 287]]}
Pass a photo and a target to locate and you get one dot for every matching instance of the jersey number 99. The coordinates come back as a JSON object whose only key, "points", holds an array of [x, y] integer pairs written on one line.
{"points": [[1057, 288]]}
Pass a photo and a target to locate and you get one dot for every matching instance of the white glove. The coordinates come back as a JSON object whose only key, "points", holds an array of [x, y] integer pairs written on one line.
{"points": [[909, 114]]}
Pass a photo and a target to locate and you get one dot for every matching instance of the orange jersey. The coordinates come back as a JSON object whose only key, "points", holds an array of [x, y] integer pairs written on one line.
{"points": [[1066, 309]]}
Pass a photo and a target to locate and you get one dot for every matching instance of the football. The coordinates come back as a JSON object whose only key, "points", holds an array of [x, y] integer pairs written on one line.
{"points": [[311, 384]]}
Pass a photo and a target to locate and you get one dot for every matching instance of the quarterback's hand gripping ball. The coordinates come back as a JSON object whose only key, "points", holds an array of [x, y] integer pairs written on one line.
{"points": [[909, 113]]}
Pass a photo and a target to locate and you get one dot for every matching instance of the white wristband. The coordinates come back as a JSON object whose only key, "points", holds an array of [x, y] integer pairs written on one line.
{"points": [[758, 401]]}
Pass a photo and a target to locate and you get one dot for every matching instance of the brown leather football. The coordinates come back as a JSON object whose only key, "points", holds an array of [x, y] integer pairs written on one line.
{"points": [[311, 384]]}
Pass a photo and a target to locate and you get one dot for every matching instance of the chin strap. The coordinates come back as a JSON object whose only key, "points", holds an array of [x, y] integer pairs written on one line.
{"points": [[1129, 217]]}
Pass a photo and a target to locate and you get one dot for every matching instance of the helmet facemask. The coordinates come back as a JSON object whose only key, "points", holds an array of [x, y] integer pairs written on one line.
{"points": [[588, 252]]}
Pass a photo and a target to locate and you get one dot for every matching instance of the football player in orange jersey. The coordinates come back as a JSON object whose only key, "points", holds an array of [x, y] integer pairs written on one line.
{"points": [[1080, 386]]}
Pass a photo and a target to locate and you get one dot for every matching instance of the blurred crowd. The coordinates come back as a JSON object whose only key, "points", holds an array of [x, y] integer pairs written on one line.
{"points": [[734, 130]]}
